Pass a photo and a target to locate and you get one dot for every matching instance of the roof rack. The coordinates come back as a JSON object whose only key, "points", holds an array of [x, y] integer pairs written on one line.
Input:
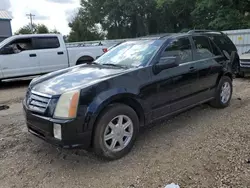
{"points": [[204, 31], [155, 36], [113, 42]]}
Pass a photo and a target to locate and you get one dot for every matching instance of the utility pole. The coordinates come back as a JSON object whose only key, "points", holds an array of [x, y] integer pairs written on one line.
{"points": [[31, 16]]}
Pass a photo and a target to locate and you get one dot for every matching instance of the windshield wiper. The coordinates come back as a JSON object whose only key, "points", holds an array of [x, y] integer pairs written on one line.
{"points": [[115, 65]]}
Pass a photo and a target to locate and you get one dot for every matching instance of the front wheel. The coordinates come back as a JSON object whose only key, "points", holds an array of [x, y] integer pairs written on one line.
{"points": [[116, 131], [223, 93]]}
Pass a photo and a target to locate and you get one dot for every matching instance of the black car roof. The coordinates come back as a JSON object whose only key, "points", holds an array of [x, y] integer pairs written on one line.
{"points": [[162, 36], [165, 36]]}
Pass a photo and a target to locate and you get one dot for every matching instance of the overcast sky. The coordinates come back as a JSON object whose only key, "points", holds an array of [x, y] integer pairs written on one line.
{"points": [[53, 13]]}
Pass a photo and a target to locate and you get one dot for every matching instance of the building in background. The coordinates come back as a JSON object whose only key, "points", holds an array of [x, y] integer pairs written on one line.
{"points": [[5, 25]]}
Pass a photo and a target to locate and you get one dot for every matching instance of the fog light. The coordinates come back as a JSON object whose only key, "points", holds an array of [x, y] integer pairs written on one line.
{"points": [[57, 131]]}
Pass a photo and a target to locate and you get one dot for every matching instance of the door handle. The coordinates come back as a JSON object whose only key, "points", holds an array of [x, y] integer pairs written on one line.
{"points": [[192, 69], [60, 53], [32, 55]]}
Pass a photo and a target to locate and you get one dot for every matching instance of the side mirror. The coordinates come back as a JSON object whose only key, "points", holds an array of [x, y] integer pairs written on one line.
{"points": [[7, 50], [165, 63]]}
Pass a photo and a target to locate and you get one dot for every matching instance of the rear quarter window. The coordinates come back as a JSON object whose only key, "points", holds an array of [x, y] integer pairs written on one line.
{"points": [[223, 42]]}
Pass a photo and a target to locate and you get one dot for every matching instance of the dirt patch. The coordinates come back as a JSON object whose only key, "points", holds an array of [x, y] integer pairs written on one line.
{"points": [[203, 147]]}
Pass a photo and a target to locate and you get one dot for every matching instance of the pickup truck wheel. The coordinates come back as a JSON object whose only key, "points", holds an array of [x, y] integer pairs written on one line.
{"points": [[223, 93], [84, 60], [116, 131]]}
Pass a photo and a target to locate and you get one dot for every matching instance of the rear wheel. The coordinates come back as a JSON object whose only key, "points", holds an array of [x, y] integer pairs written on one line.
{"points": [[116, 131], [223, 93], [84, 60]]}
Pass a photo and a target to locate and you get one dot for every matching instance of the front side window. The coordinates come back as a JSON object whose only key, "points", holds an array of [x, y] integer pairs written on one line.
{"points": [[17, 46], [203, 48], [180, 49], [47, 42], [131, 54]]}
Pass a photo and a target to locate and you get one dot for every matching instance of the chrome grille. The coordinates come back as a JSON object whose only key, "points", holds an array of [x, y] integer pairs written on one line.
{"points": [[38, 102]]}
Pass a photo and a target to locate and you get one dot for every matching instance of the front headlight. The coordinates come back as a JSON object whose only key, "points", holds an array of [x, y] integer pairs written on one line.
{"points": [[67, 105]]}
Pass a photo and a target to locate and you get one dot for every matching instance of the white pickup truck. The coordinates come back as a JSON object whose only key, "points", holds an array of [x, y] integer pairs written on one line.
{"points": [[28, 55]]}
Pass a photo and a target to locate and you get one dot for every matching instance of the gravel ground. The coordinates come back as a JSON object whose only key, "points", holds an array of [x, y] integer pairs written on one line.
{"points": [[203, 147]]}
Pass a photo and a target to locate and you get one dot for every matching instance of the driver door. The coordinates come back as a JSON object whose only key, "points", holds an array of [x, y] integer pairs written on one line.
{"points": [[22, 60], [175, 86]]}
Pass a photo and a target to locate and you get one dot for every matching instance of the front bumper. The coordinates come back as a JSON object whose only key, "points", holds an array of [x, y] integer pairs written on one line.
{"points": [[73, 133]]}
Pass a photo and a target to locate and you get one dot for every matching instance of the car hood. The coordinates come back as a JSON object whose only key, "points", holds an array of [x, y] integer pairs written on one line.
{"points": [[77, 77]]}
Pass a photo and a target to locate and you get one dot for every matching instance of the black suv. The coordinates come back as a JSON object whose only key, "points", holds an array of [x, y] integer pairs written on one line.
{"points": [[102, 105]]}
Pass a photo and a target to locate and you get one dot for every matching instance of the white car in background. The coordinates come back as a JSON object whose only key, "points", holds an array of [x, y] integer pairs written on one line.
{"points": [[245, 63], [28, 55]]}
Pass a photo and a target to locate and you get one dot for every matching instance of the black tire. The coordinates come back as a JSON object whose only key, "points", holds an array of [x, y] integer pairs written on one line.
{"points": [[217, 101], [104, 119]]}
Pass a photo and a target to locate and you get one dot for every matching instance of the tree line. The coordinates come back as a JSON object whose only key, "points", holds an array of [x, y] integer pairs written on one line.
{"points": [[35, 29], [113, 19]]}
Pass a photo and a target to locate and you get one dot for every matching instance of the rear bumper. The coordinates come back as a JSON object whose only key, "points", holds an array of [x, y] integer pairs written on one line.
{"points": [[73, 134]]}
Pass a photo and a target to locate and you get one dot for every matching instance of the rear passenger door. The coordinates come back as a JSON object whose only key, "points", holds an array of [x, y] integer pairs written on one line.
{"points": [[208, 62], [52, 56]]}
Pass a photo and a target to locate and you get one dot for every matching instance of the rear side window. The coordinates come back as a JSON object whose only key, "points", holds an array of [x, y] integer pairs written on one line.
{"points": [[223, 42], [47, 42], [179, 48], [203, 48]]}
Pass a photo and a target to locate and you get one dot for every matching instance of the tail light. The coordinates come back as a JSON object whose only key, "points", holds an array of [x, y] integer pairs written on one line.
{"points": [[105, 50]]}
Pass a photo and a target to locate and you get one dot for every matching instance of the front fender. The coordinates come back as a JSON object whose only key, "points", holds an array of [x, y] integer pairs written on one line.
{"points": [[105, 98]]}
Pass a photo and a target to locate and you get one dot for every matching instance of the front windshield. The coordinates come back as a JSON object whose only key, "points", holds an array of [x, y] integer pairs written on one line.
{"points": [[131, 54]]}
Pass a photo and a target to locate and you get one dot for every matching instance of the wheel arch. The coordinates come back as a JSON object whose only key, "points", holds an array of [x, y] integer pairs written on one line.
{"points": [[75, 56], [127, 99], [228, 74], [235, 63], [84, 58]]}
